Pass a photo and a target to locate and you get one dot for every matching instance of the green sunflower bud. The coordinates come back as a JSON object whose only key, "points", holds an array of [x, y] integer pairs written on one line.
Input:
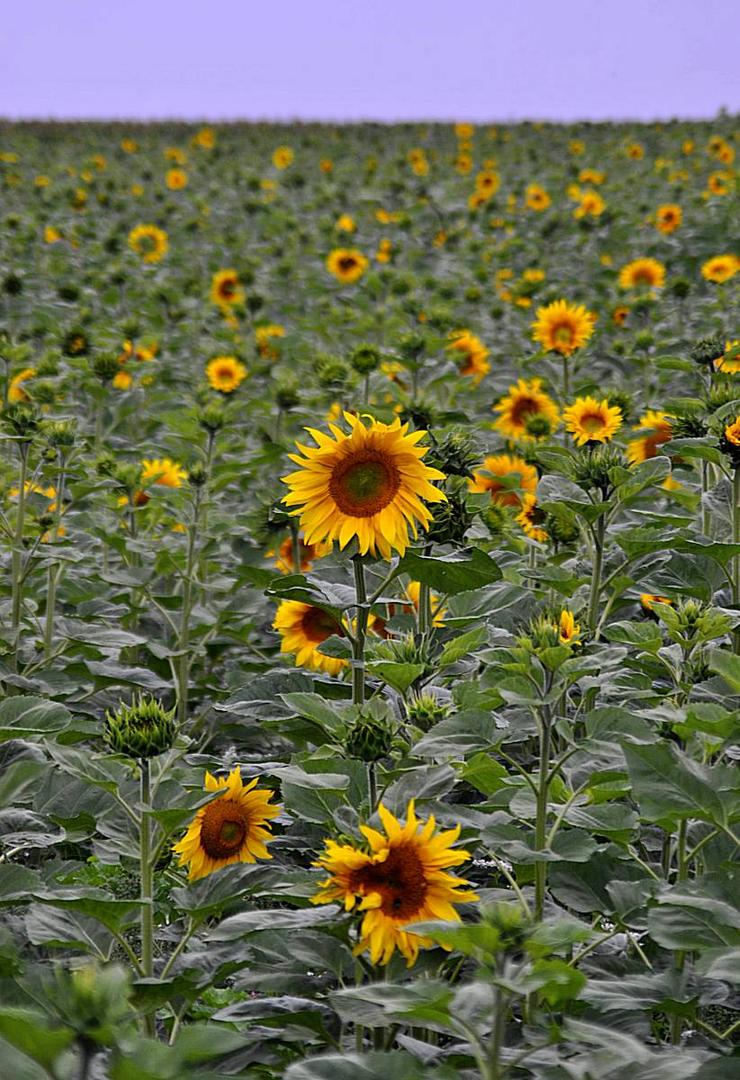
{"points": [[212, 417], [450, 520], [424, 711], [538, 427], [707, 350], [593, 468], [287, 393], [364, 359], [60, 434], [143, 729], [197, 475], [496, 520], [454, 455], [94, 1001], [332, 372], [369, 738], [622, 400], [21, 419], [106, 366], [562, 528], [12, 284]]}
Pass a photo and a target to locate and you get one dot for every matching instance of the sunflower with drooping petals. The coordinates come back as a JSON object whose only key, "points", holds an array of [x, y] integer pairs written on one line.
{"points": [[524, 402], [403, 879], [563, 327], [225, 373], [642, 272], [470, 355], [369, 485], [302, 628], [16, 391], [507, 478], [720, 268], [531, 518], [226, 289], [656, 429], [150, 242], [232, 828], [162, 471], [590, 420], [347, 265]]}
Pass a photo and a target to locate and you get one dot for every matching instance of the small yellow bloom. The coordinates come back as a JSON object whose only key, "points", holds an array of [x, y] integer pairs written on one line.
{"points": [[225, 373], [148, 241], [282, 157], [176, 179], [347, 265], [720, 268], [589, 420]]}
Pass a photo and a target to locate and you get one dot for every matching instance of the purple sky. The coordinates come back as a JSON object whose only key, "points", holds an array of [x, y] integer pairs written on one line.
{"points": [[369, 59]]}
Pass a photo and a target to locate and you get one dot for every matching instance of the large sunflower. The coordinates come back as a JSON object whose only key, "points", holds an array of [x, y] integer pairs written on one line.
{"points": [[562, 327], [656, 430], [400, 881], [225, 373], [470, 355], [231, 828], [347, 265], [589, 420], [149, 242], [720, 268], [506, 477], [368, 484], [302, 628], [225, 288], [648, 272], [525, 402]]}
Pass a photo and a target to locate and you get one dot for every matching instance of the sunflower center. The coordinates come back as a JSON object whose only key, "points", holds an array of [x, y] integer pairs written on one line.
{"points": [[643, 277], [223, 829], [400, 881], [362, 486], [592, 423], [318, 625], [523, 409], [563, 334], [225, 372], [347, 263], [227, 288]]}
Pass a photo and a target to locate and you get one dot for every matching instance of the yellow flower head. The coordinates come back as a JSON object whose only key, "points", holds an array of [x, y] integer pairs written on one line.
{"points": [[308, 553], [589, 420], [232, 828], [225, 373], [729, 363], [732, 432], [162, 471], [150, 242], [656, 430], [265, 336], [205, 138], [470, 355], [225, 289], [508, 479], [525, 402], [367, 485], [648, 600], [402, 879], [570, 631], [563, 327], [282, 157], [302, 628], [15, 388], [720, 268], [487, 182], [347, 265], [345, 223], [591, 205], [642, 272], [531, 518], [176, 179], [536, 198], [668, 218]]}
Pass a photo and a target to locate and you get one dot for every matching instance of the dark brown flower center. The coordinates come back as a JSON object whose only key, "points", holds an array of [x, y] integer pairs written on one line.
{"points": [[223, 828], [318, 625], [523, 409], [227, 288], [347, 263], [400, 881], [363, 485]]}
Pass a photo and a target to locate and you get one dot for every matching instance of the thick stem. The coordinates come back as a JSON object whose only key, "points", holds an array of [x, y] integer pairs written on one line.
{"points": [[295, 543], [372, 786], [706, 517], [55, 570], [679, 957], [595, 594], [540, 829], [736, 559], [17, 556], [425, 609], [498, 1027], [358, 645], [146, 873], [183, 661], [566, 380]]}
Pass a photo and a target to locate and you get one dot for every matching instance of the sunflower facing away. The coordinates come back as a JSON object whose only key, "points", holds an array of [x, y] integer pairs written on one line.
{"points": [[225, 373], [506, 477], [16, 391], [639, 272], [589, 420], [225, 288], [562, 327], [347, 265], [470, 355], [231, 828], [400, 881], [524, 403], [369, 484], [302, 628], [149, 242], [656, 430]]}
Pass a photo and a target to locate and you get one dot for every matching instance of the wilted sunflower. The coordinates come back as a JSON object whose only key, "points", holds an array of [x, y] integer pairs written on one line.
{"points": [[470, 355], [647, 271], [668, 218], [225, 373], [162, 471], [368, 484], [562, 327], [16, 391], [531, 519], [402, 880], [302, 628], [506, 477], [225, 288], [347, 265], [524, 402], [589, 420], [231, 828], [656, 428], [148, 241], [720, 268]]}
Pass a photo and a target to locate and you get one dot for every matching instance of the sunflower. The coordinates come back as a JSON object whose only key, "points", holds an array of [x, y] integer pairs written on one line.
{"points": [[225, 288], [16, 391], [470, 355], [205, 138], [347, 265], [562, 327], [525, 402], [307, 554], [656, 428], [648, 272], [508, 479], [649, 599], [176, 179], [729, 363], [589, 420], [149, 242], [368, 484], [282, 157], [162, 471], [225, 373], [720, 268], [591, 176], [413, 592], [536, 198], [568, 628], [400, 881], [591, 204], [264, 337], [345, 223], [668, 218], [619, 315], [732, 432], [302, 628], [487, 182], [232, 828], [531, 518], [719, 182]]}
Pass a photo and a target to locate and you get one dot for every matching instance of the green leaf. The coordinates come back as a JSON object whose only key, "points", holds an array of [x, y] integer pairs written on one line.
{"points": [[372, 1066], [669, 786], [253, 922], [456, 573], [691, 919], [556, 981], [727, 665], [29, 1031], [399, 676], [31, 718], [459, 647]]}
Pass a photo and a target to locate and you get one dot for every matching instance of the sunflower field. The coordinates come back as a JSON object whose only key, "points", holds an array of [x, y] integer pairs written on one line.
{"points": [[370, 640]]}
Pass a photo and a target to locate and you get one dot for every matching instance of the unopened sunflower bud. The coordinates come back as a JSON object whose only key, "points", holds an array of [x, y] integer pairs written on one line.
{"points": [[424, 711], [364, 359], [562, 529], [21, 420], [331, 371], [94, 1001], [538, 427], [106, 366], [411, 346], [680, 288], [287, 393], [197, 475], [496, 520], [644, 339], [450, 521], [60, 434], [143, 729], [622, 400], [369, 738], [542, 634], [212, 418], [454, 454], [707, 350]]}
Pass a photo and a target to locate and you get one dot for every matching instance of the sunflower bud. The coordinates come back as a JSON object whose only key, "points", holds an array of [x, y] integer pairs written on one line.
{"points": [[690, 423], [593, 468], [287, 393], [364, 359], [75, 343], [60, 434], [680, 288], [106, 367], [450, 520], [622, 400], [197, 475], [424, 711], [369, 738], [542, 634], [332, 372], [20, 419], [143, 729], [644, 339], [707, 350], [12, 284], [538, 427], [562, 528], [455, 455], [212, 417], [411, 346], [496, 520], [94, 1001]]}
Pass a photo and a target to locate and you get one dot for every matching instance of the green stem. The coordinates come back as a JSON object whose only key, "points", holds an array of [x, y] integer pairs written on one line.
{"points": [[183, 660], [706, 517], [55, 569], [146, 872], [425, 609], [17, 556], [736, 558], [566, 380], [358, 642], [679, 957], [497, 1032], [593, 602], [540, 831], [372, 786]]}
